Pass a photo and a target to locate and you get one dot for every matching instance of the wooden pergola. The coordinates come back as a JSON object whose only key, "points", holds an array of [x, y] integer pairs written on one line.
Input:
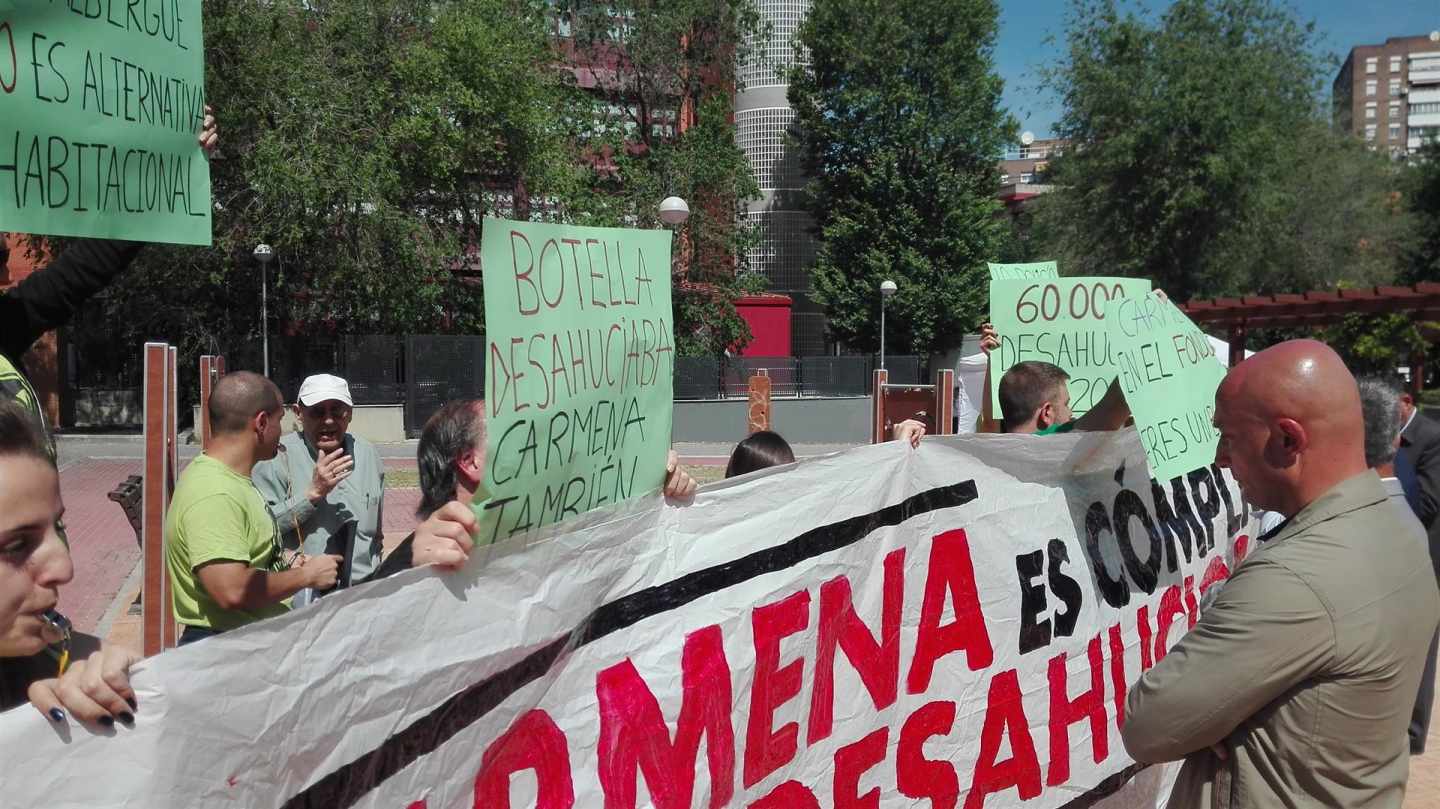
{"points": [[1316, 309]]}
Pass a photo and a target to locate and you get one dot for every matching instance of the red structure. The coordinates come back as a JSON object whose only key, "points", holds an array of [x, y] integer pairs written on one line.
{"points": [[42, 361], [1316, 309], [768, 315]]}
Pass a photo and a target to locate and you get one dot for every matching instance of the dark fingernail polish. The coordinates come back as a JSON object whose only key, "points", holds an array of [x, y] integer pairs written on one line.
{"points": [[128, 718], [107, 721], [57, 714], [131, 702]]}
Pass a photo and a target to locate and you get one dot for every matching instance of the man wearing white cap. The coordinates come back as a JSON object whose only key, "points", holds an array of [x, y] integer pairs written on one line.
{"points": [[325, 487]]}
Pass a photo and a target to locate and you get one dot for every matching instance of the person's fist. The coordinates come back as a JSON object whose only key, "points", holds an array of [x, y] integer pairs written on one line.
{"points": [[444, 539], [678, 483], [95, 690], [323, 570], [989, 340], [209, 137], [330, 468], [909, 431]]}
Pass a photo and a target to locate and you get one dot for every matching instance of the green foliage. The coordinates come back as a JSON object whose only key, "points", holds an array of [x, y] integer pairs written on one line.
{"points": [[1422, 197], [1201, 159], [667, 68], [1374, 344], [367, 140], [897, 116]]}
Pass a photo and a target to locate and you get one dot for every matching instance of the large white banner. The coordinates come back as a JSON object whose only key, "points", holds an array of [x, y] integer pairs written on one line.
{"points": [[953, 626]]}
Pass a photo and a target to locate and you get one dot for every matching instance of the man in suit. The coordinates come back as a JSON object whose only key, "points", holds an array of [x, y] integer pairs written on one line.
{"points": [[1417, 465], [1295, 687]]}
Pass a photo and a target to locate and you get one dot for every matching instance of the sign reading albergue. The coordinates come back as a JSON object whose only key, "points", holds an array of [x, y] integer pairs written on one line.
{"points": [[100, 105]]}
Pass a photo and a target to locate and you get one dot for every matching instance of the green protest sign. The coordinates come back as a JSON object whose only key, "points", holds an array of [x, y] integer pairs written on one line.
{"points": [[100, 105], [1060, 321], [1169, 373], [1038, 269], [579, 370]]}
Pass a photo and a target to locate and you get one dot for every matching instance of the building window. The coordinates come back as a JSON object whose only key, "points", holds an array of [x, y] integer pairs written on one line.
{"points": [[1394, 110], [1427, 107], [1370, 132], [1370, 87], [1025, 178], [1394, 132], [1370, 111], [1004, 179], [1370, 64], [1394, 87], [1394, 64]]}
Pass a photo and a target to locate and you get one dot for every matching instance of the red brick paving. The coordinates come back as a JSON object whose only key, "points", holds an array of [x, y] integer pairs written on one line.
{"points": [[102, 543]]}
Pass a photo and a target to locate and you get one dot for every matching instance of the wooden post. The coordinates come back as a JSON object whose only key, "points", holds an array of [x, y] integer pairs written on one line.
{"points": [[759, 415], [212, 367], [155, 595], [944, 407], [172, 469], [1237, 343], [1417, 374], [877, 407]]}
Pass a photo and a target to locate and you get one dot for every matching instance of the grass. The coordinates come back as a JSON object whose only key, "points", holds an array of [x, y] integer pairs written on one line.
{"points": [[410, 478]]}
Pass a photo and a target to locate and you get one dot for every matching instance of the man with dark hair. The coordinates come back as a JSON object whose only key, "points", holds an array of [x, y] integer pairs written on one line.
{"points": [[451, 459], [1035, 399], [221, 546]]}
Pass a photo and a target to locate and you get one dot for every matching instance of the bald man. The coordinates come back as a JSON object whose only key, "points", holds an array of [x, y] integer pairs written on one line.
{"points": [[1295, 687], [221, 547]]}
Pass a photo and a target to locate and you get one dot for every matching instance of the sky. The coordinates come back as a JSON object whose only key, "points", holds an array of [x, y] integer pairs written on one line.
{"points": [[1025, 25]]}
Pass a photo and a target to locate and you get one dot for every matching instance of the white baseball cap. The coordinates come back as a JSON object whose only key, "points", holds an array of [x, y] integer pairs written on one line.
{"points": [[323, 388]]}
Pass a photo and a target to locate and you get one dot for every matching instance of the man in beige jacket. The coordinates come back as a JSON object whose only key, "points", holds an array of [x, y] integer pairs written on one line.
{"points": [[1295, 687]]}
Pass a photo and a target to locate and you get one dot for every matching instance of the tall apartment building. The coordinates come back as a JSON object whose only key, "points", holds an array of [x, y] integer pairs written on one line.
{"points": [[1390, 94], [786, 251]]}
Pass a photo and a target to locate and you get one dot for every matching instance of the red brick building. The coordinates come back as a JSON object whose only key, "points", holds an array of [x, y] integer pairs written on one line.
{"points": [[1389, 94]]}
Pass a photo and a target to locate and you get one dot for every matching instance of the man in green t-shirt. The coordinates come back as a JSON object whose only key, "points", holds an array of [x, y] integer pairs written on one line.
{"points": [[221, 547]]}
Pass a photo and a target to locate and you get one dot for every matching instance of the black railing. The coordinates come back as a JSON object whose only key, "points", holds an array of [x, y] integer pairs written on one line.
{"points": [[422, 372]]}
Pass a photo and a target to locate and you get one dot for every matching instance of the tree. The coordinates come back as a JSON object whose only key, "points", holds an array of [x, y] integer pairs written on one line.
{"points": [[1422, 198], [365, 141], [898, 121], [662, 74], [1200, 156]]}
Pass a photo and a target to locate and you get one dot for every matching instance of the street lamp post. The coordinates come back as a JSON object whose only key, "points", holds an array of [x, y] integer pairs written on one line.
{"points": [[887, 288], [263, 254], [674, 211]]}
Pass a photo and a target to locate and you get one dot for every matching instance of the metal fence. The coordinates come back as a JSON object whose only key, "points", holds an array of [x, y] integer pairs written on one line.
{"points": [[425, 371], [851, 375], [422, 372]]}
